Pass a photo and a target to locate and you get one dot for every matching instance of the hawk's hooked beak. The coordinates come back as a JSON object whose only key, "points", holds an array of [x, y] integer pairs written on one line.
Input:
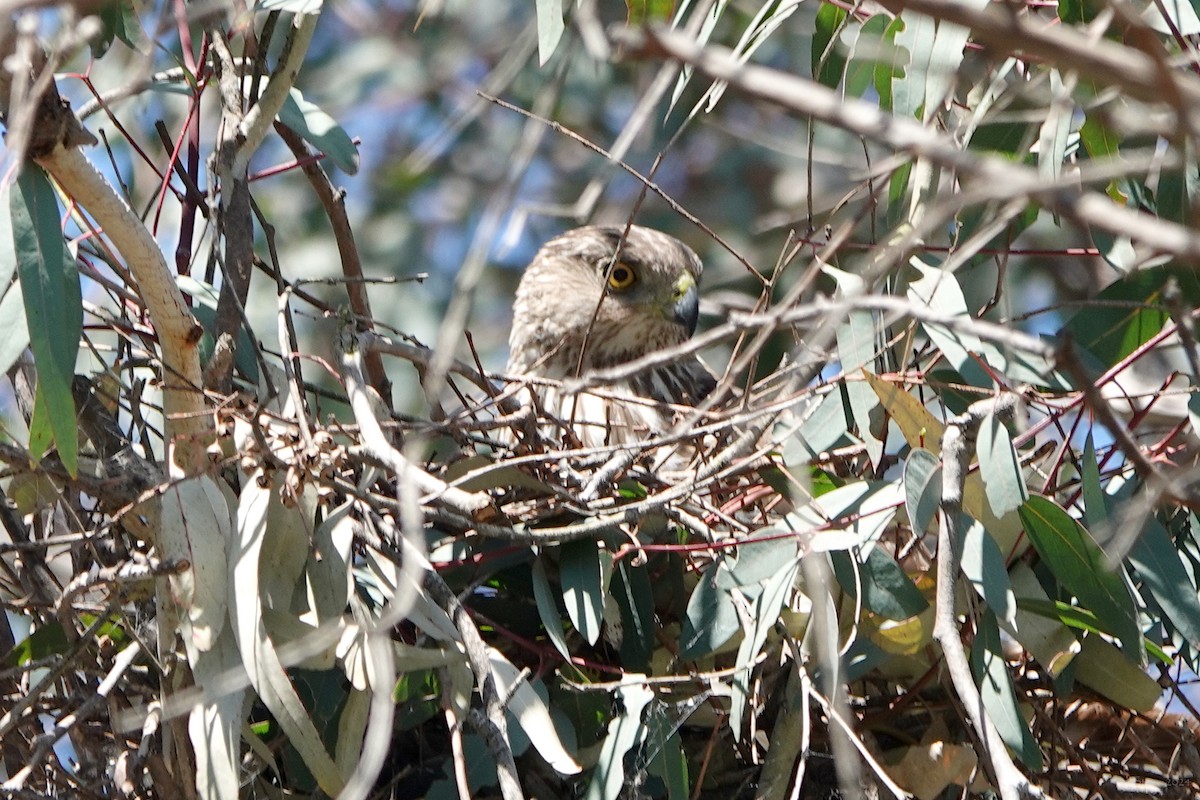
{"points": [[686, 303]]}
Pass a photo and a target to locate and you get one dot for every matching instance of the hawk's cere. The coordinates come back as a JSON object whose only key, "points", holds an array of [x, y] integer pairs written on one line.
{"points": [[578, 310]]}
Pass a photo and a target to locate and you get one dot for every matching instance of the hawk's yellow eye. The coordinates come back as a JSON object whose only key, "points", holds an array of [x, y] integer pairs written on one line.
{"points": [[621, 277]]}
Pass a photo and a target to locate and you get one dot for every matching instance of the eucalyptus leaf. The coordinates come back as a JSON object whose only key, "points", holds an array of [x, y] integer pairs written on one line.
{"points": [[1003, 483], [320, 130], [997, 692], [1080, 565], [584, 575], [710, 618], [922, 489], [53, 306]]}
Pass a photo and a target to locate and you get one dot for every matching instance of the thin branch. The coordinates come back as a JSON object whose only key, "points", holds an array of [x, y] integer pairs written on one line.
{"points": [[475, 505], [1004, 178], [956, 453]]}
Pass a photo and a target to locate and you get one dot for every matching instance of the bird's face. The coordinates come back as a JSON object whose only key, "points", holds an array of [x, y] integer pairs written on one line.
{"points": [[574, 292]]}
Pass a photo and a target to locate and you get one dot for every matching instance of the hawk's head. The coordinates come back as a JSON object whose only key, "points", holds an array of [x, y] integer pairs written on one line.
{"points": [[575, 298]]}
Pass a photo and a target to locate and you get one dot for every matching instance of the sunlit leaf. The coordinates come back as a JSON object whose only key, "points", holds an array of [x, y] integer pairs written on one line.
{"points": [[14, 331], [1055, 131], [984, 567], [759, 557], [1170, 17], [196, 529], [320, 130], [1080, 565], [215, 726], [1003, 483], [764, 612], [917, 36], [922, 488], [584, 573], [870, 507], [823, 428], [532, 712], [939, 290], [550, 27], [626, 731], [291, 6], [258, 652]]}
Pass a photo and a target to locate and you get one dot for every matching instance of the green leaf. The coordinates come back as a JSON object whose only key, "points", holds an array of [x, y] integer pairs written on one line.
{"points": [[1128, 312], [635, 600], [584, 575], [53, 305], [48, 640], [1003, 482], [828, 60], [1161, 569], [550, 28], [320, 130], [1099, 141], [897, 209], [888, 72], [759, 557], [867, 54], [710, 618], [638, 12], [983, 564], [1179, 190], [922, 488], [1095, 502], [1080, 566], [116, 22], [1102, 667], [886, 590], [998, 695], [669, 763], [543, 596], [856, 350]]}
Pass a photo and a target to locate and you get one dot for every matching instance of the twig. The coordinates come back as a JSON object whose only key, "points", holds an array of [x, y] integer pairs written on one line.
{"points": [[45, 742], [956, 453], [491, 724], [865, 119], [334, 203], [475, 505]]}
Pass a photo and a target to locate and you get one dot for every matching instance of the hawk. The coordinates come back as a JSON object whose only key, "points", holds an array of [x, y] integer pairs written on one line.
{"points": [[579, 309]]}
